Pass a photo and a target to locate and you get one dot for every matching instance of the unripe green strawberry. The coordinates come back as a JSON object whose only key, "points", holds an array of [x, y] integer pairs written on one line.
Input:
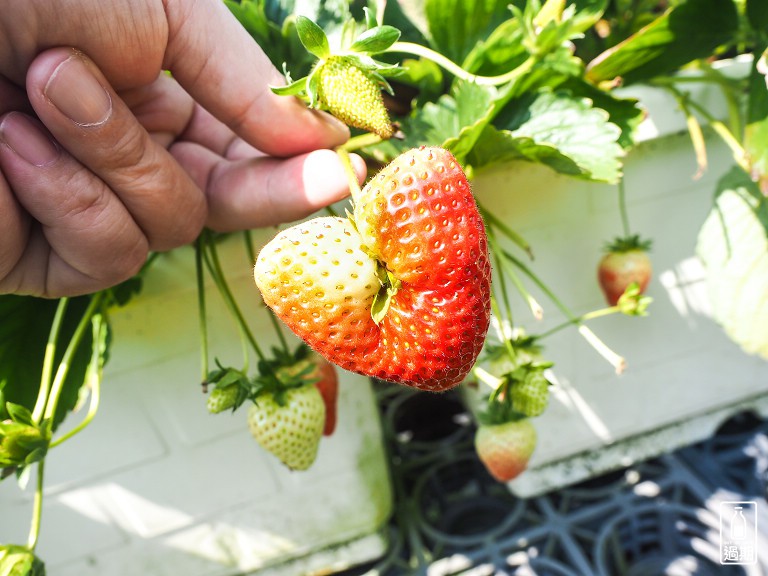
{"points": [[531, 395], [403, 292], [353, 95], [291, 430], [505, 449], [221, 399]]}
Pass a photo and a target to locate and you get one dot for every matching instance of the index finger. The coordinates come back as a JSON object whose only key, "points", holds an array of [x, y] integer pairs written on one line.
{"points": [[219, 64]]}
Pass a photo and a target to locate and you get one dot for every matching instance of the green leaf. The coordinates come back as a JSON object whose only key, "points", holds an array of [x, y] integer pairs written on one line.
{"points": [[424, 75], [455, 121], [455, 26], [501, 51], [501, 146], [19, 413], [295, 88], [376, 40], [757, 14], [733, 246], [567, 134], [472, 112], [381, 304], [312, 37], [689, 31], [625, 113], [269, 24], [756, 129], [25, 323]]}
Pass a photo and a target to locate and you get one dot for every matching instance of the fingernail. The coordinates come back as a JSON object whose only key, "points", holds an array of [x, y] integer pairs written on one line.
{"points": [[28, 140], [76, 92]]}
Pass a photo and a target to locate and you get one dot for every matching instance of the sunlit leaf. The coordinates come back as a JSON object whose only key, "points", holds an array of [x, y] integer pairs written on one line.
{"points": [[733, 246], [691, 30]]}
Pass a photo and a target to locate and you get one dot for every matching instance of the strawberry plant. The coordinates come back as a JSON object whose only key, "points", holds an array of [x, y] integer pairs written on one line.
{"points": [[436, 92]]}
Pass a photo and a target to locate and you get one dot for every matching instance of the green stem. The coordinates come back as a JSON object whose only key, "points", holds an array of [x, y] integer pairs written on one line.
{"points": [[535, 307], [731, 91], [623, 209], [614, 359], [458, 71], [37, 508], [95, 373], [358, 142], [275, 323], [739, 154], [214, 267], [50, 354], [580, 319], [502, 335], [354, 183], [201, 306], [66, 361], [494, 220]]}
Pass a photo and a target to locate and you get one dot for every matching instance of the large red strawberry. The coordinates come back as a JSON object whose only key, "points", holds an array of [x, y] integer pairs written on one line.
{"points": [[399, 291], [506, 448], [626, 262], [328, 385]]}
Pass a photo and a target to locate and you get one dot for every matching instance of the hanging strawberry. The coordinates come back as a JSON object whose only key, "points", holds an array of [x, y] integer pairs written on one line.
{"points": [[400, 290], [625, 263], [348, 82]]}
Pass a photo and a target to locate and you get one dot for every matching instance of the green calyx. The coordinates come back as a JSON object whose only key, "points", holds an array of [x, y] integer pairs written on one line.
{"points": [[22, 441], [347, 82], [20, 561], [283, 372], [631, 243], [389, 287]]}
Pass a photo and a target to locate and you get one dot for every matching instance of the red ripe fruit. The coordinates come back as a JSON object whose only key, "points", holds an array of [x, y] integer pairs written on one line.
{"points": [[401, 291], [626, 262]]}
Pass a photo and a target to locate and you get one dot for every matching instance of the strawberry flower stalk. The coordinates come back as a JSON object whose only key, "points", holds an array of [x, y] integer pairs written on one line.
{"points": [[347, 82]]}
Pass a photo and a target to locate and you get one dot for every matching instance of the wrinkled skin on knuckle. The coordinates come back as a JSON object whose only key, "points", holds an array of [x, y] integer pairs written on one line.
{"points": [[126, 39]]}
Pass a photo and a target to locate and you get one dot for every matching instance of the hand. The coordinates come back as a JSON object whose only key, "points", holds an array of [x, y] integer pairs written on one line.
{"points": [[104, 156]]}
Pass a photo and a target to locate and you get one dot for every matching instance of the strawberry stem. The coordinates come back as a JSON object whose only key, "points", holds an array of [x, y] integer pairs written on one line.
{"points": [[740, 155], [50, 353], [354, 183], [458, 71], [502, 336], [214, 268], [94, 375], [248, 237], [614, 359], [361, 141], [533, 305], [201, 308], [495, 222], [623, 209], [37, 508], [66, 361], [583, 318]]}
